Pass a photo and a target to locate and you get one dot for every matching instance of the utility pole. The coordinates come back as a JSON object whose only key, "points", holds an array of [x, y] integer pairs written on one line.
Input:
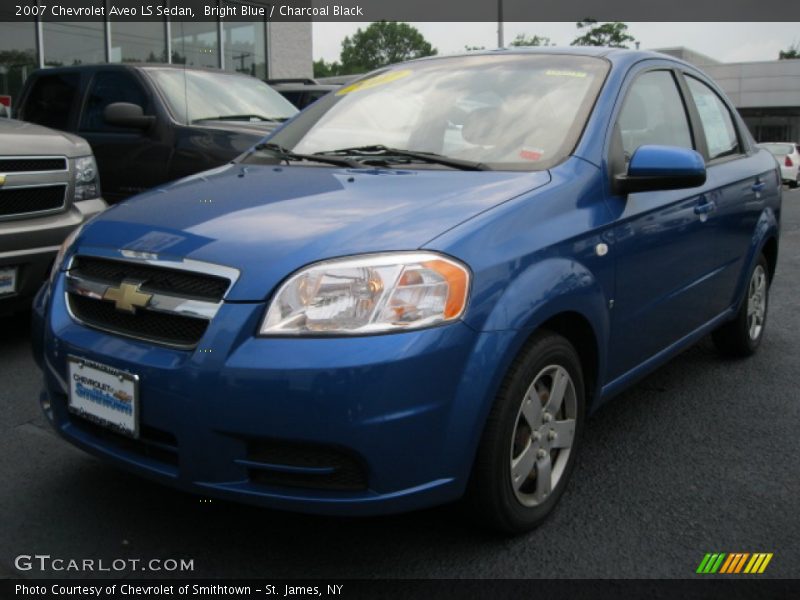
{"points": [[500, 41]]}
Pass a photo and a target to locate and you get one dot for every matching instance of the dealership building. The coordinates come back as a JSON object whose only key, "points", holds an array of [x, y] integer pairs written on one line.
{"points": [[260, 48]]}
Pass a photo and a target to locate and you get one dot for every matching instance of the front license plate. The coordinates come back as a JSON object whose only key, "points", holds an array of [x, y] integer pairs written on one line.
{"points": [[8, 280], [104, 395]]}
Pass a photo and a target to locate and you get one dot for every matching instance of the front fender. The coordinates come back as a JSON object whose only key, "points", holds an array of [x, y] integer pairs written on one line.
{"points": [[545, 289], [548, 288]]}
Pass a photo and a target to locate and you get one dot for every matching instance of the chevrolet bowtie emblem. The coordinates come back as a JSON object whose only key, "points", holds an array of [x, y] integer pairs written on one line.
{"points": [[2, 180], [127, 297]]}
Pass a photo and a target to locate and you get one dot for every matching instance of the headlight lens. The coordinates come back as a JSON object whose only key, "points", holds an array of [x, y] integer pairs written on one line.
{"points": [[87, 184], [369, 294], [62, 251]]}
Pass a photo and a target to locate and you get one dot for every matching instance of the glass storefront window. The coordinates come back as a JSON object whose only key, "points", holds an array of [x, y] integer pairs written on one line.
{"points": [[195, 44], [244, 46], [17, 58], [80, 43], [133, 42]]}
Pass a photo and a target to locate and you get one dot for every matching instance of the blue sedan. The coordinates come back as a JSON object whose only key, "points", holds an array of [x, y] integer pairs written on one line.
{"points": [[418, 288]]}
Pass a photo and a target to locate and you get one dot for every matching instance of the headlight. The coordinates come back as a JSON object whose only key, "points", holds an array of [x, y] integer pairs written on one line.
{"points": [[62, 251], [87, 184], [369, 294]]}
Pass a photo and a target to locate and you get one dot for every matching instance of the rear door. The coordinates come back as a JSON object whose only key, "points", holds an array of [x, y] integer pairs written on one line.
{"points": [[130, 160], [737, 190]]}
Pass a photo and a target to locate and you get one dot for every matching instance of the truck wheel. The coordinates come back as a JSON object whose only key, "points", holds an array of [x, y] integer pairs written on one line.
{"points": [[742, 336], [530, 442]]}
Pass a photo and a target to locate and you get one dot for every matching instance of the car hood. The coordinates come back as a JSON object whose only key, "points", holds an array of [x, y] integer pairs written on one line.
{"points": [[268, 221], [21, 138]]}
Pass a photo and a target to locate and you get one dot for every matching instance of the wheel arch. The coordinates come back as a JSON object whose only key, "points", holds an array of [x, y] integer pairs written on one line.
{"points": [[770, 251]]}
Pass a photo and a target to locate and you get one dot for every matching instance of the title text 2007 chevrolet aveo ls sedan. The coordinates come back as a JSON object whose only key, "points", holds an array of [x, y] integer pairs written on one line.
{"points": [[417, 288]]}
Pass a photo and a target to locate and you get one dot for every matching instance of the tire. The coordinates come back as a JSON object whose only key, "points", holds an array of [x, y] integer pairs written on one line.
{"points": [[796, 182], [512, 501], [742, 336]]}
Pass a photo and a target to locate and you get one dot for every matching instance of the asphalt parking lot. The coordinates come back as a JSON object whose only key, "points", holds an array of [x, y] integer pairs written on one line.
{"points": [[702, 456]]}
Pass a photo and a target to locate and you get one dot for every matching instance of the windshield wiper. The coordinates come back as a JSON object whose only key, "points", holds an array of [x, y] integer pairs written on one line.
{"points": [[381, 152], [241, 118], [287, 155]]}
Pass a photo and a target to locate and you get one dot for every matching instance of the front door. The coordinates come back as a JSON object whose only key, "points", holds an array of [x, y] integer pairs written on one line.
{"points": [[130, 160], [661, 237]]}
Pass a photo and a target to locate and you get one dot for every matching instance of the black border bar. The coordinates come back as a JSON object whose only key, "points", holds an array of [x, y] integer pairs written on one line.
{"points": [[700, 587], [403, 10]]}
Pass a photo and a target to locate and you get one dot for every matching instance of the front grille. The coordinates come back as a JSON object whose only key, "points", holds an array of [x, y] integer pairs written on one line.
{"points": [[24, 200], [30, 164], [170, 329], [290, 464], [156, 279]]}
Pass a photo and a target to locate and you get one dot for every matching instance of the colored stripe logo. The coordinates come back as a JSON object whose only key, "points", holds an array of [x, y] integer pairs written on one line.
{"points": [[734, 563]]}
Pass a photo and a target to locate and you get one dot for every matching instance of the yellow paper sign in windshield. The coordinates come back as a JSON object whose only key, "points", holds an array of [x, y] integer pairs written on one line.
{"points": [[372, 82], [563, 73]]}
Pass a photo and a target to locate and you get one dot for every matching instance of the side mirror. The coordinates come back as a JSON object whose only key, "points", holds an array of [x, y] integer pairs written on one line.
{"points": [[654, 168], [125, 114]]}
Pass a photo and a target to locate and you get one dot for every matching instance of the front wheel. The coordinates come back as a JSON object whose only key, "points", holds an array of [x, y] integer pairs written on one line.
{"points": [[530, 442], [742, 336]]}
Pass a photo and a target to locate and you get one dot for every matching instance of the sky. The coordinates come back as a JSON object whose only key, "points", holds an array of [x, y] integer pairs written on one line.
{"points": [[726, 42]]}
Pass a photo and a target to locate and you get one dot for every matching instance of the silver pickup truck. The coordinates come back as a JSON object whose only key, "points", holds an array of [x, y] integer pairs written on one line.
{"points": [[48, 187]]}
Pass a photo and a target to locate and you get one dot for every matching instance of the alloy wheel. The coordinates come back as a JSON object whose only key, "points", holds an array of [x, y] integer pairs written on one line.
{"points": [[543, 435], [757, 302]]}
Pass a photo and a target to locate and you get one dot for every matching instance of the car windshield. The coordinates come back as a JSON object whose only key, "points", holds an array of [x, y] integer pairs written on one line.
{"points": [[203, 95], [506, 111], [778, 149]]}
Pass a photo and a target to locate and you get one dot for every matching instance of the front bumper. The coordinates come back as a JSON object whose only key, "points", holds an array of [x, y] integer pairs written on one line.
{"points": [[31, 245], [407, 408]]}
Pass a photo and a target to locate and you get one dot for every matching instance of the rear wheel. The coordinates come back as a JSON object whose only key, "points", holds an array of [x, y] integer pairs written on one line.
{"points": [[796, 182], [742, 336], [528, 448]]}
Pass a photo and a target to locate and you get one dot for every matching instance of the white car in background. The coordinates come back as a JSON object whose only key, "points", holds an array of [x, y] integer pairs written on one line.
{"points": [[788, 156]]}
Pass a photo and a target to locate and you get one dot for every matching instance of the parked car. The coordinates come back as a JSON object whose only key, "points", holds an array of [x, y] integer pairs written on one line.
{"points": [[788, 156], [48, 187], [302, 92], [333, 325], [150, 124]]}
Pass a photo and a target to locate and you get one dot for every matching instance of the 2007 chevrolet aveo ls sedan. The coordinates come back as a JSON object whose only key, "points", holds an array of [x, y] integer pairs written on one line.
{"points": [[418, 288]]}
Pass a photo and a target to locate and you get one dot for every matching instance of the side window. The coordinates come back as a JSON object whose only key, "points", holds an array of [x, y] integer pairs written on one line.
{"points": [[653, 113], [51, 99], [108, 87], [716, 119], [293, 97]]}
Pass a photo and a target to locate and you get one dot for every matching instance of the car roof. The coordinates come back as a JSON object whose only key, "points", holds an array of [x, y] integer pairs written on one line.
{"points": [[137, 66], [302, 87], [614, 55]]}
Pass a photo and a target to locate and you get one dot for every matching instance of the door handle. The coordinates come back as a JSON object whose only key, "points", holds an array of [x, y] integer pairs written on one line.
{"points": [[758, 186], [705, 207]]}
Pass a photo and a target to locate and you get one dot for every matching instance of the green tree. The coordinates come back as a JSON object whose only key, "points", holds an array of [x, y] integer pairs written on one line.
{"points": [[326, 69], [614, 34], [381, 44], [792, 51], [535, 40]]}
